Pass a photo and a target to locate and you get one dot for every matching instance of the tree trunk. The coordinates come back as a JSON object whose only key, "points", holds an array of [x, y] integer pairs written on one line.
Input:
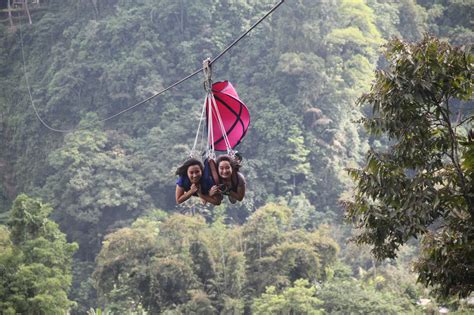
{"points": [[25, 6], [10, 18]]}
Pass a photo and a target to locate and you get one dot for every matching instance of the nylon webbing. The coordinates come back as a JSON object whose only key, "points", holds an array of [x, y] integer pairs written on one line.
{"points": [[210, 134], [193, 150], [221, 125]]}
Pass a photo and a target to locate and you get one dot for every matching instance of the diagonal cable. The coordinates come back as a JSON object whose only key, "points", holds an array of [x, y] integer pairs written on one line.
{"points": [[147, 99]]}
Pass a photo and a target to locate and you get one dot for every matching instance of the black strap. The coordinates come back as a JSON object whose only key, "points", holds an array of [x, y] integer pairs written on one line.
{"points": [[235, 122]]}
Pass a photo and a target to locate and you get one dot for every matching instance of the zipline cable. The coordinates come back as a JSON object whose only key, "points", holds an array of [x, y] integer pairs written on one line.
{"points": [[25, 74], [102, 120], [145, 100], [248, 31]]}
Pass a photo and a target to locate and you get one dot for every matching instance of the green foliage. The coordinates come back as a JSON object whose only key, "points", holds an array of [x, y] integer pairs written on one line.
{"points": [[184, 265], [157, 274], [299, 299], [121, 264], [199, 304], [171, 281], [35, 265], [299, 72], [27, 219], [95, 169], [450, 19], [412, 23], [446, 259], [346, 296], [265, 228], [419, 180], [106, 56], [387, 280]]}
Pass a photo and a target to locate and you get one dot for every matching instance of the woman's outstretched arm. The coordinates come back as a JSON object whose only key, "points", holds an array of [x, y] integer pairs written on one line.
{"points": [[240, 193]]}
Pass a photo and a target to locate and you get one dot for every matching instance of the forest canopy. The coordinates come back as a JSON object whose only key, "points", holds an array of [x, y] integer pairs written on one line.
{"points": [[91, 213]]}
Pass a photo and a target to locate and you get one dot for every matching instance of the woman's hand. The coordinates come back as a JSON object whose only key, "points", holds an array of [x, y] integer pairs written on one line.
{"points": [[214, 190], [194, 188], [224, 189]]}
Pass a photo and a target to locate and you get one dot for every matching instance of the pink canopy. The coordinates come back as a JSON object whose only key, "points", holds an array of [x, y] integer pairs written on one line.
{"points": [[233, 112]]}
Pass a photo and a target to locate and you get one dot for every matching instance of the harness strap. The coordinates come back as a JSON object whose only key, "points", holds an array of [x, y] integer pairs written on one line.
{"points": [[193, 152], [221, 125], [210, 134]]}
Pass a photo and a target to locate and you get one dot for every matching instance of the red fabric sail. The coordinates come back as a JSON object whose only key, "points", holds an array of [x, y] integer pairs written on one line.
{"points": [[234, 114]]}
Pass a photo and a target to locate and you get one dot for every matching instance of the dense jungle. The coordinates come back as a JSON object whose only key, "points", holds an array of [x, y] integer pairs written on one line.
{"points": [[359, 158]]}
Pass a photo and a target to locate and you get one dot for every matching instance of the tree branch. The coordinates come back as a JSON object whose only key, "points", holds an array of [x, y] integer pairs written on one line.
{"points": [[454, 156]]}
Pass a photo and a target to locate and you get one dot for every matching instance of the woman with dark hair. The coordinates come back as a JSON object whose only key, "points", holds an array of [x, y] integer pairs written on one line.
{"points": [[191, 182], [231, 181]]}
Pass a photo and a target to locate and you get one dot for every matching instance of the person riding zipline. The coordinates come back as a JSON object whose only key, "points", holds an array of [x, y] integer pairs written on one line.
{"points": [[227, 120], [231, 181], [191, 182]]}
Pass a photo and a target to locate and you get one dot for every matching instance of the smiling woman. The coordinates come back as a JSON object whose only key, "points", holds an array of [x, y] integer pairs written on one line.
{"points": [[231, 181], [191, 182]]}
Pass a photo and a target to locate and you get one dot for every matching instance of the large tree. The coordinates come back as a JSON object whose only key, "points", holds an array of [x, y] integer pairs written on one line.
{"points": [[35, 264], [421, 183]]}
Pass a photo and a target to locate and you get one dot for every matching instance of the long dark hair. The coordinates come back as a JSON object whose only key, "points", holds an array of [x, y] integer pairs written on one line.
{"points": [[183, 169], [233, 164]]}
